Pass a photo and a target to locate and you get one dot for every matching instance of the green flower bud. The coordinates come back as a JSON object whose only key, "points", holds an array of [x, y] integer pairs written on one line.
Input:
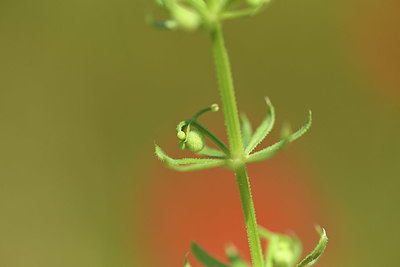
{"points": [[214, 107], [283, 254], [195, 141], [181, 135], [186, 18]]}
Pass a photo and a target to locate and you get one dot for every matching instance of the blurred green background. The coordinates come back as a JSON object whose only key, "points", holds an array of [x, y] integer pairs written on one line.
{"points": [[86, 87]]}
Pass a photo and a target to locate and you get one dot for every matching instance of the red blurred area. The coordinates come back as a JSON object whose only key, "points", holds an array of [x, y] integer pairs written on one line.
{"points": [[205, 207]]}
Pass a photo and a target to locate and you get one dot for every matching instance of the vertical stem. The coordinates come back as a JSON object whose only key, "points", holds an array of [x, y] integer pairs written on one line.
{"points": [[249, 212], [227, 92], [235, 140]]}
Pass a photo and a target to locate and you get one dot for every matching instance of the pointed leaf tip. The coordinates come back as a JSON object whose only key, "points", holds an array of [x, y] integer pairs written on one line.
{"points": [[313, 257], [272, 150], [246, 129], [187, 164], [263, 130], [204, 258], [303, 129], [159, 153]]}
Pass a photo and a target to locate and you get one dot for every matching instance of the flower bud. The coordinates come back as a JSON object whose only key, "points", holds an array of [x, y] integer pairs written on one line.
{"points": [[214, 107], [195, 141], [283, 254], [186, 18], [181, 135]]}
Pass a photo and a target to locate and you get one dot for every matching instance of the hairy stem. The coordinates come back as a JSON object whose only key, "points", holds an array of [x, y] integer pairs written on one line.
{"points": [[235, 140], [227, 92], [246, 198]]}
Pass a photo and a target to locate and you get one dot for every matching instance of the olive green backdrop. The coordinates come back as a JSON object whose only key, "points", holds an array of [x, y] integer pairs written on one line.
{"points": [[86, 87]]}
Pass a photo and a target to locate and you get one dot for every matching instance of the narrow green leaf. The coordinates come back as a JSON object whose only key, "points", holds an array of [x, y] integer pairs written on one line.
{"points": [[246, 128], [238, 13], [234, 259], [258, 3], [303, 129], [204, 258], [272, 150], [247, 12], [187, 164], [262, 130], [185, 161], [268, 152], [212, 153], [313, 257], [186, 261]]}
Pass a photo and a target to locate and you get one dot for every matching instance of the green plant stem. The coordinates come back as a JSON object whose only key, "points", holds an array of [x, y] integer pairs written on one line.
{"points": [[246, 198], [227, 92], [235, 140]]}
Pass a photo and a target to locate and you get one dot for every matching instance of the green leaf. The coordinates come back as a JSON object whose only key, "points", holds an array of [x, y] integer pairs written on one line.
{"points": [[313, 257], [248, 12], [187, 164], [204, 258], [303, 129], [272, 150], [234, 259], [262, 130], [212, 153], [246, 128], [186, 261], [268, 152]]}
